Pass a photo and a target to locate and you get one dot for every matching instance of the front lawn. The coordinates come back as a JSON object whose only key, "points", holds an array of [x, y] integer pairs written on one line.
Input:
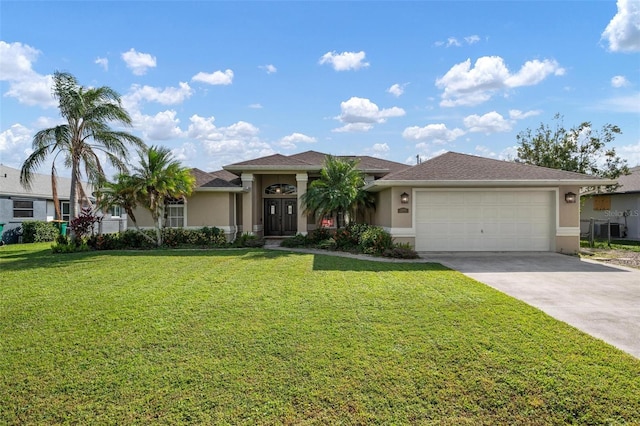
{"points": [[269, 337]]}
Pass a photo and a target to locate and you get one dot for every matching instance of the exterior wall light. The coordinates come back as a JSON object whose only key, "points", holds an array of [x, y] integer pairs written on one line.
{"points": [[404, 198], [570, 197]]}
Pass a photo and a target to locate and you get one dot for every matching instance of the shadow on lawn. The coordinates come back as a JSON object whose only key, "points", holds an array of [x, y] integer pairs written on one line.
{"points": [[19, 259]]}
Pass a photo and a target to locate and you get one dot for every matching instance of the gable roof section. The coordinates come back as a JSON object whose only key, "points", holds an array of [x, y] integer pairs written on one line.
{"points": [[454, 169], [40, 186], [629, 183], [216, 181], [312, 161]]}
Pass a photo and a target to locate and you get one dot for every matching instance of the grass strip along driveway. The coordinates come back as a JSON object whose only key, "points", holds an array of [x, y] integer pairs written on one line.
{"points": [[266, 337]]}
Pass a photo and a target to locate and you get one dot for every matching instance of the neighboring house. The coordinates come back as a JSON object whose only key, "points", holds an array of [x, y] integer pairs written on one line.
{"points": [[621, 208], [18, 204], [453, 202]]}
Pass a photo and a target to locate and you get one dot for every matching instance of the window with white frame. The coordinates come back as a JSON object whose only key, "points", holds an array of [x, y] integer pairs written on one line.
{"points": [[115, 211], [65, 208], [22, 208], [175, 213]]}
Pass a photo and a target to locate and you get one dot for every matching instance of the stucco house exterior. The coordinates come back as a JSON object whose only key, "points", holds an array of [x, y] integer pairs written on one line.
{"points": [[621, 208], [18, 204], [453, 202]]}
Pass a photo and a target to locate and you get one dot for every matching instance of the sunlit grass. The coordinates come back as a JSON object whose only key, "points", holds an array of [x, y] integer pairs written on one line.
{"points": [[266, 337]]}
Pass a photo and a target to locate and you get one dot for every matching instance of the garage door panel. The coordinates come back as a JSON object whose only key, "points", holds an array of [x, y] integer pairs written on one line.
{"points": [[484, 220]]}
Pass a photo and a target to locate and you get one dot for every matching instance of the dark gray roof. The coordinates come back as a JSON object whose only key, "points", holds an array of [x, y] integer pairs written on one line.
{"points": [[453, 166], [313, 161], [219, 179], [630, 182]]}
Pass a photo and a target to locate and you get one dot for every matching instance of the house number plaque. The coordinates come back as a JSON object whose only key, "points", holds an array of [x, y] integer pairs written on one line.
{"points": [[403, 210]]}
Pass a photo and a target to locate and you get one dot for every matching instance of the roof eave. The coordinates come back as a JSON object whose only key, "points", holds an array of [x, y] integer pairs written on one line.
{"points": [[220, 189], [380, 185]]}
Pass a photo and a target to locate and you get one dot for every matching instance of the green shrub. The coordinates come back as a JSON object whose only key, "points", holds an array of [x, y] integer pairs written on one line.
{"points": [[375, 240], [248, 240], [106, 242], [348, 238], [37, 231], [134, 239], [319, 234], [401, 251], [328, 244], [297, 241]]}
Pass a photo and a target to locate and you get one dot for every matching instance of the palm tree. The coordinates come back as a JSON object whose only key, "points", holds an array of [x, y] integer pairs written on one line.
{"points": [[338, 191], [158, 180], [82, 139], [121, 193]]}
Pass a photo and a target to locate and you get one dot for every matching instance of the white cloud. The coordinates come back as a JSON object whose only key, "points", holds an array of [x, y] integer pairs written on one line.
{"points": [[138, 62], [103, 62], [491, 122], [623, 31], [628, 103], [464, 85], [270, 69], [15, 145], [344, 61], [255, 106], [359, 114], [631, 153], [397, 89], [230, 144], [162, 126], [27, 86], [353, 128], [433, 133], [381, 148], [216, 78], [507, 154], [472, 39], [619, 81], [516, 114], [453, 41], [164, 96], [290, 141]]}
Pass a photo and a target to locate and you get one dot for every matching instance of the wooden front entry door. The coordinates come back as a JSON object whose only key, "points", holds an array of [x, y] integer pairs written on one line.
{"points": [[280, 216]]}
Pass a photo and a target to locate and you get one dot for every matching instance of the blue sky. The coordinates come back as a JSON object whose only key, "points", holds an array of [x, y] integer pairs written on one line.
{"points": [[222, 82]]}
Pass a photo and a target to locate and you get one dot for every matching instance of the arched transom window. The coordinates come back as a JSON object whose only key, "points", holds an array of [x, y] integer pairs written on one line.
{"points": [[280, 189]]}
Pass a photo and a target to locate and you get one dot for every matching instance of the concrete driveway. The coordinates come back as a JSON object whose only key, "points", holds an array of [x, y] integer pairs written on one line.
{"points": [[598, 299]]}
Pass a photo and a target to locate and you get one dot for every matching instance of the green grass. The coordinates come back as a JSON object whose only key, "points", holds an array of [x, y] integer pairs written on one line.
{"points": [[615, 245], [269, 337]]}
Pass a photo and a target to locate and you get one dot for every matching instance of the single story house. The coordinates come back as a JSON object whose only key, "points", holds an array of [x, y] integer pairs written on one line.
{"points": [[18, 204], [621, 208], [453, 202]]}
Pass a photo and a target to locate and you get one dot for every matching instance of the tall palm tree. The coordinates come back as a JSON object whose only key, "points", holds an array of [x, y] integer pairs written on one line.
{"points": [[159, 179], [83, 137], [337, 192]]}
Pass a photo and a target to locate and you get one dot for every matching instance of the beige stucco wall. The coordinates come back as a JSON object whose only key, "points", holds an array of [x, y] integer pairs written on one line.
{"points": [[382, 215], [569, 214], [401, 220], [143, 218], [209, 209]]}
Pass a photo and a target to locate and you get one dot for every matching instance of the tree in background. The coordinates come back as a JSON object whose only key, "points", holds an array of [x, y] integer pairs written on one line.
{"points": [[579, 149], [83, 137], [338, 192]]}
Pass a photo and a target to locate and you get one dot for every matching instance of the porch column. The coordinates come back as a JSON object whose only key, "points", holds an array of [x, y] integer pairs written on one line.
{"points": [[301, 180], [247, 203]]}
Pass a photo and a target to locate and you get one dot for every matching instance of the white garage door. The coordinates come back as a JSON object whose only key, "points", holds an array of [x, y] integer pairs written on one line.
{"points": [[484, 220]]}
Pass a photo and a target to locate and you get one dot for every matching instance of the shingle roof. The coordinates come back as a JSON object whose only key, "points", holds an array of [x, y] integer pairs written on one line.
{"points": [[218, 179], [40, 186], [453, 166], [314, 161], [630, 182]]}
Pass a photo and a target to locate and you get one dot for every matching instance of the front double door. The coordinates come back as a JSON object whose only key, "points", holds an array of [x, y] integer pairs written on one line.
{"points": [[281, 217]]}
